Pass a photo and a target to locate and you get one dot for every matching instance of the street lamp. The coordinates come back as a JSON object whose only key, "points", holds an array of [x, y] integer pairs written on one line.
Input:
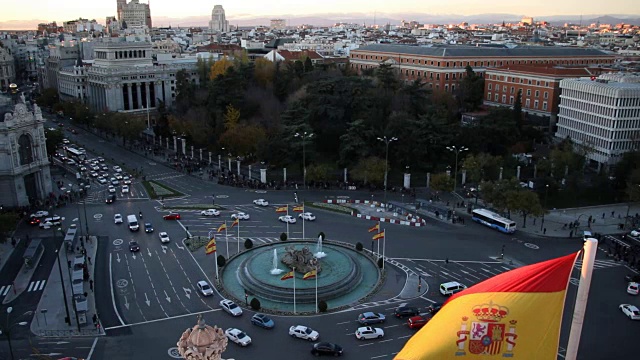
{"points": [[7, 329], [457, 150], [304, 136], [546, 195], [386, 141]]}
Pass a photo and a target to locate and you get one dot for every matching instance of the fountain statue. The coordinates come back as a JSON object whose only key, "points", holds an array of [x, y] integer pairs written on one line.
{"points": [[275, 270], [202, 342], [302, 260], [319, 253]]}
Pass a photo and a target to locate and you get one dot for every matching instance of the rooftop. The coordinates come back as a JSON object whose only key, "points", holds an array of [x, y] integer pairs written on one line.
{"points": [[556, 71], [466, 51]]}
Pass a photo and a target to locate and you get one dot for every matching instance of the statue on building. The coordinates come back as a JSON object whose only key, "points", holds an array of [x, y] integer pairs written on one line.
{"points": [[202, 342]]}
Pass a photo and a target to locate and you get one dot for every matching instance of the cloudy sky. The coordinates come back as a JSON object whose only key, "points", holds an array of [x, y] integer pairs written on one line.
{"points": [[63, 10]]}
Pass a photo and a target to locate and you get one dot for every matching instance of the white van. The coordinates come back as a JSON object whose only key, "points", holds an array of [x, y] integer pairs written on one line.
{"points": [[450, 288], [133, 223]]}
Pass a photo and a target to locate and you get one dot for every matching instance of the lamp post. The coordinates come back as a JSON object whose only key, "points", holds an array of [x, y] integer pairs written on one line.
{"points": [[7, 329], [386, 141], [304, 136], [457, 150], [546, 195]]}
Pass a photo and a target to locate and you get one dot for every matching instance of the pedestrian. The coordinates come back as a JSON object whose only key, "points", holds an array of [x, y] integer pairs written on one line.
{"points": [[89, 260], [544, 231], [612, 213], [534, 221], [13, 242], [571, 233], [603, 215], [91, 285]]}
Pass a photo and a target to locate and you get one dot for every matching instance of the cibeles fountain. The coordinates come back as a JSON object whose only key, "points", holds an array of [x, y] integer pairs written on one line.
{"points": [[343, 275], [202, 342]]}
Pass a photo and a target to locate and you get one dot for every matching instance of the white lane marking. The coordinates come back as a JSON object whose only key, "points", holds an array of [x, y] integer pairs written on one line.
{"points": [[42, 285], [113, 297], [95, 341], [162, 319], [30, 286]]}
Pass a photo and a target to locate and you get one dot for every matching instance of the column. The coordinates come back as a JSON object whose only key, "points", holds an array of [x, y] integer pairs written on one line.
{"points": [[407, 181], [129, 96], [209, 158], [147, 95], [263, 176], [345, 175], [238, 165], [428, 179], [219, 162], [500, 176], [284, 174], [192, 151], [200, 154], [184, 146], [175, 144], [249, 172], [139, 95], [518, 172], [229, 168]]}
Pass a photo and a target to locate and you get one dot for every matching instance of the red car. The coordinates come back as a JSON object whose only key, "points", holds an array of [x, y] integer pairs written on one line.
{"points": [[416, 322], [172, 216], [34, 221]]}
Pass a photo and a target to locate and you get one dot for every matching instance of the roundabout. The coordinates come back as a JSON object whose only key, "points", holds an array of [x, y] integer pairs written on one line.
{"points": [[345, 276]]}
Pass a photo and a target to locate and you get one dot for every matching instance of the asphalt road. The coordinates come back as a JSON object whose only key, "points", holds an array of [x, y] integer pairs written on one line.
{"points": [[152, 300]]}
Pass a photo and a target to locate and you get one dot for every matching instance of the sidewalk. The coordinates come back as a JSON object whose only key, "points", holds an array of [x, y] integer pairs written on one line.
{"points": [[6, 249], [50, 314]]}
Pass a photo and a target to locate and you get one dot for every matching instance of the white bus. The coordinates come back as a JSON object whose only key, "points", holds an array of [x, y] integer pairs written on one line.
{"points": [[493, 220], [75, 154]]}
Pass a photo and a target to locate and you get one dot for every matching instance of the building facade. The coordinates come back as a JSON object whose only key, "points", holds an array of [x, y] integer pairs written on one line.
{"points": [[7, 69], [218, 21], [134, 14], [24, 166], [442, 67], [59, 57], [123, 77], [72, 83], [278, 24], [602, 114]]}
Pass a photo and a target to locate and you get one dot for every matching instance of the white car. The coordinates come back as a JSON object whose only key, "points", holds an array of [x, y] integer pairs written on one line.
{"points": [[635, 233], [240, 215], [204, 288], [127, 180], [261, 202], [112, 189], [287, 219], [50, 221], [117, 176], [125, 189], [367, 332], [40, 214], [631, 311], [632, 288], [307, 216], [164, 237], [93, 174], [102, 180], [210, 212], [117, 218], [117, 168], [66, 141], [238, 336], [230, 307], [303, 332]]}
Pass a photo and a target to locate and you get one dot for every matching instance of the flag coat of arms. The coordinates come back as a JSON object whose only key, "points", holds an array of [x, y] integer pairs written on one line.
{"points": [[378, 236], [222, 227], [516, 314], [211, 246], [282, 209], [310, 275], [286, 276]]}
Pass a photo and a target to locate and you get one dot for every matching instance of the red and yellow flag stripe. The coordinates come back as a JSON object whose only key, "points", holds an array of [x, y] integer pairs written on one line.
{"points": [[378, 236]]}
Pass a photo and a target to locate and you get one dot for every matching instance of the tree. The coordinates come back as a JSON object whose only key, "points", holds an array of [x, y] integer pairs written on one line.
{"points": [[231, 117], [263, 72], [219, 68], [370, 170], [308, 65], [359, 246], [7, 225], [243, 139], [471, 90], [481, 167], [185, 92], [248, 244], [255, 304], [283, 237], [221, 260], [53, 140], [526, 202], [441, 182], [48, 97], [497, 192], [322, 306], [320, 172], [517, 110]]}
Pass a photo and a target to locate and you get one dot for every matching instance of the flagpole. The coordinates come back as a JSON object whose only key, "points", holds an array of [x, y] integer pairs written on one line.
{"points": [[586, 271], [215, 256], [316, 288], [294, 290], [287, 221], [378, 239], [384, 245], [303, 221], [226, 238], [238, 236]]}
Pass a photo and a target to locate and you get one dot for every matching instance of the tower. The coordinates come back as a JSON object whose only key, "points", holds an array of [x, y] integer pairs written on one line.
{"points": [[120, 4], [218, 21]]}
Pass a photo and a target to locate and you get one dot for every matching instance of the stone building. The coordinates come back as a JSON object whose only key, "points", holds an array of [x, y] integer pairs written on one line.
{"points": [[7, 69], [134, 14], [24, 165], [218, 21], [60, 56]]}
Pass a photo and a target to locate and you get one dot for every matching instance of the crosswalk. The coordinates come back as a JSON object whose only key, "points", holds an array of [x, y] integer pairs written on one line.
{"points": [[600, 264], [34, 286]]}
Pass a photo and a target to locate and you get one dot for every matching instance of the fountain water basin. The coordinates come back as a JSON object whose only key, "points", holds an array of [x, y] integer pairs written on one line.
{"points": [[275, 270], [319, 254]]}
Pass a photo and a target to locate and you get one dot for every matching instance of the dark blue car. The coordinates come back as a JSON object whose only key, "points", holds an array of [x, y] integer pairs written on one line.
{"points": [[263, 321]]}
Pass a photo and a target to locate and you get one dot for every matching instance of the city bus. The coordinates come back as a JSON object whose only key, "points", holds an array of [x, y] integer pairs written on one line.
{"points": [[493, 220], [75, 154]]}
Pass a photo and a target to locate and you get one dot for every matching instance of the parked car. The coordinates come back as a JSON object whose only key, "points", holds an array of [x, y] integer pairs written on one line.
{"points": [[40, 214], [164, 237], [117, 168], [326, 348], [210, 212], [133, 246], [262, 321], [117, 218], [287, 219], [102, 180], [148, 228], [240, 215], [261, 202], [172, 216], [406, 311], [307, 216], [303, 332], [204, 288], [369, 318], [230, 307], [367, 332], [416, 322], [238, 336], [112, 189], [632, 288], [630, 311]]}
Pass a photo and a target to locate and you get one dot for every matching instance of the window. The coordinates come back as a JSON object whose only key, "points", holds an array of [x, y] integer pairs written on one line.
{"points": [[437, 76], [511, 100], [535, 104], [489, 96], [537, 93], [513, 89], [528, 92], [546, 94], [544, 105], [446, 87], [446, 76], [527, 103], [497, 87], [504, 99], [490, 86], [496, 97]]}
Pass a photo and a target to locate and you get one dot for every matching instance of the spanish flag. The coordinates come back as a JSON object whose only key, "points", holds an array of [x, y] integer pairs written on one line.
{"points": [[378, 236], [516, 314], [286, 276], [236, 222], [282, 209], [310, 275], [211, 246], [222, 227], [298, 208], [375, 228]]}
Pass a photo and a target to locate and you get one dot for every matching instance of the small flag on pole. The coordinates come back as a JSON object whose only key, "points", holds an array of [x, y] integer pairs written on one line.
{"points": [[222, 227], [298, 208], [310, 275], [211, 246], [375, 228], [236, 222], [282, 209], [286, 276], [378, 236]]}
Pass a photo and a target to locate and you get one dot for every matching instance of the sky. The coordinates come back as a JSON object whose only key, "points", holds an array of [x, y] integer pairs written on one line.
{"points": [[64, 10]]}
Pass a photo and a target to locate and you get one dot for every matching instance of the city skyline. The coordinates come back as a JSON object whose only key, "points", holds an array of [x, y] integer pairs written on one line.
{"points": [[14, 15]]}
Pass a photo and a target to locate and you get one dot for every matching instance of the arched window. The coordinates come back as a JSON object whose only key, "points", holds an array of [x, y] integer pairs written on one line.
{"points": [[25, 149]]}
